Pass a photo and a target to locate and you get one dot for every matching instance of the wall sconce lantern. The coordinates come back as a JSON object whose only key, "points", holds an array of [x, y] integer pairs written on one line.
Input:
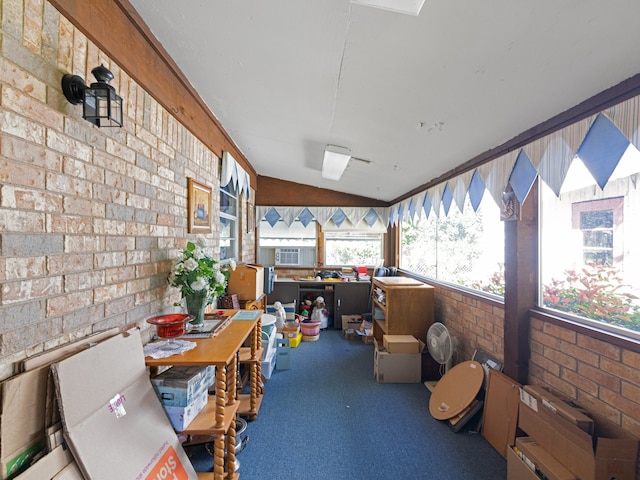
{"points": [[102, 106]]}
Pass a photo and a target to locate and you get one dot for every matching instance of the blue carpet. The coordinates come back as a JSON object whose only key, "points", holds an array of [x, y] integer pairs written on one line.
{"points": [[327, 418]]}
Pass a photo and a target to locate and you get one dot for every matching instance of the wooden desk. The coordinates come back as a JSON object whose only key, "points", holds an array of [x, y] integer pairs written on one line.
{"points": [[219, 415]]}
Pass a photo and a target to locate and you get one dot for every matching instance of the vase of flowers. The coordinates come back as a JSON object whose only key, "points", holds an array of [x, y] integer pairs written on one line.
{"points": [[200, 278]]}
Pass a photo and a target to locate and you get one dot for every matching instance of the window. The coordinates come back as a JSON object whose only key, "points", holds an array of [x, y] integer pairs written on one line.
{"points": [[228, 223], [465, 248], [598, 220], [295, 243], [352, 247], [590, 247]]}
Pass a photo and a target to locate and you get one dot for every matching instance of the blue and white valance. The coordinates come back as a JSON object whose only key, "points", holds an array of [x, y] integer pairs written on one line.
{"points": [[232, 173], [333, 217], [599, 141]]}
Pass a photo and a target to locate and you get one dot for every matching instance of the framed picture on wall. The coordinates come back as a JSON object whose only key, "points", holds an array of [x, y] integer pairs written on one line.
{"points": [[199, 203]]}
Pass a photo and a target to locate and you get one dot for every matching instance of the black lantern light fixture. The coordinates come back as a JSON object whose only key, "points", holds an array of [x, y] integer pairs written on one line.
{"points": [[102, 106]]}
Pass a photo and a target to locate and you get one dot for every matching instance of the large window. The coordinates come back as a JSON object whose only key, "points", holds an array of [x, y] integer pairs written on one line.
{"points": [[465, 248], [590, 246], [228, 223], [352, 247]]}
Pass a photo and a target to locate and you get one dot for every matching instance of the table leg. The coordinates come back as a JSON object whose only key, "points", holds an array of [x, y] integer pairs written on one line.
{"points": [[231, 450], [221, 395], [232, 380], [218, 443]]}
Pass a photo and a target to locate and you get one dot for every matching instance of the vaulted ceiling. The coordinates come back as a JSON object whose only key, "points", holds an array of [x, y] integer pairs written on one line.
{"points": [[412, 97]]}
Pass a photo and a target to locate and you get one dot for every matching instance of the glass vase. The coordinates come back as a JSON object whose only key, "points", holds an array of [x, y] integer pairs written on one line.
{"points": [[196, 303]]}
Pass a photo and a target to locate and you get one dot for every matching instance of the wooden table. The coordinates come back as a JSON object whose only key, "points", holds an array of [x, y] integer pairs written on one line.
{"points": [[218, 418]]}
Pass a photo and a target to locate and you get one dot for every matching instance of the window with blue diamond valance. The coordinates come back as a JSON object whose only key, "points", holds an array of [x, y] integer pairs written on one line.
{"points": [[599, 142], [374, 218]]}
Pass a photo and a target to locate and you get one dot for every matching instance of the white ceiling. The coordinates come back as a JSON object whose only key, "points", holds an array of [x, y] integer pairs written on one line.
{"points": [[413, 95]]}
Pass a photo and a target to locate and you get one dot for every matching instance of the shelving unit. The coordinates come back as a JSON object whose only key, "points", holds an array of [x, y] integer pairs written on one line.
{"points": [[218, 418], [401, 306], [341, 298]]}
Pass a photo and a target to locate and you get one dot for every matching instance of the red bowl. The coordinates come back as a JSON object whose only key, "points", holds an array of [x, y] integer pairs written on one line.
{"points": [[171, 325]]}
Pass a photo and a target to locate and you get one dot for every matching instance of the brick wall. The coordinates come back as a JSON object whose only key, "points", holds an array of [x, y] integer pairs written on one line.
{"points": [[599, 376], [90, 219], [473, 322]]}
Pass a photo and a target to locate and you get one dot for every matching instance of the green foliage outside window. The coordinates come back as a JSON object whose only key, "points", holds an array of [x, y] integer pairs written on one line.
{"points": [[596, 291]]}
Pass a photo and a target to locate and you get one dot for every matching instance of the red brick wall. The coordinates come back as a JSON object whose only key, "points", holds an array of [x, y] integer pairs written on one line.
{"points": [[599, 376], [90, 219], [475, 323]]}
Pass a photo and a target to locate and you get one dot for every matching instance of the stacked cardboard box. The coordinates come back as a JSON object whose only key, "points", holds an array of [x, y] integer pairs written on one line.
{"points": [[397, 367], [587, 449], [114, 425], [30, 428], [246, 281], [351, 323]]}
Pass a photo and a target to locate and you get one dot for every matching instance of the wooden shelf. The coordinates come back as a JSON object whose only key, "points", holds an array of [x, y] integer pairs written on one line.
{"points": [[381, 324], [408, 308], [245, 355], [245, 406], [223, 351], [205, 421]]}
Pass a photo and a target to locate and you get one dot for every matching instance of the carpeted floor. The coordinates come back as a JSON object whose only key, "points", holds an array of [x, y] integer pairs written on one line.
{"points": [[327, 418]]}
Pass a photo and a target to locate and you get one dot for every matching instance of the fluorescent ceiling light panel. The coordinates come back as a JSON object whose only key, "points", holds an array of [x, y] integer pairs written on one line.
{"points": [[410, 7], [335, 161]]}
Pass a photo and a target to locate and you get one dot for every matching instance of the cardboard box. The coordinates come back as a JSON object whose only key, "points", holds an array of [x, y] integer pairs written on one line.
{"points": [[28, 405], [50, 466], [181, 417], [113, 421], [500, 412], [351, 322], [397, 367], [180, 386], [22, 420], [400, 344], [246, 281], [610, 453], [367, 339], [350, 334], [517, 469], [549, 466], [562, 406]]}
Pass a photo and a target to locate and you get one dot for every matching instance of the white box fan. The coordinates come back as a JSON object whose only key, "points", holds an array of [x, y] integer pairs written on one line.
{"points": [[441, 345]]}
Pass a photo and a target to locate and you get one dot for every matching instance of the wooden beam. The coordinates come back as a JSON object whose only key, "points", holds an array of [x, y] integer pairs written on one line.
{"points": [[521, 285], [277, 192]]}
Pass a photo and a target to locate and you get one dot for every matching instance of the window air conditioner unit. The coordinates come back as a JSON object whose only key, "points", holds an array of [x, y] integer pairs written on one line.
{"points": [[287, 256]]}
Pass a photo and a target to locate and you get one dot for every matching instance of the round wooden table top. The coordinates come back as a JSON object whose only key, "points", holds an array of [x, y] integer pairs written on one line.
{"points": [[456, 390]]}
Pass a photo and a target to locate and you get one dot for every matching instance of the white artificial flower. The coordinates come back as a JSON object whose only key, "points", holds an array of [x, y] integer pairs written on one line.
{"points": [[190, 264], [220, 278], [200, 284], [201, 242], [198, 253], [232, 264]]}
